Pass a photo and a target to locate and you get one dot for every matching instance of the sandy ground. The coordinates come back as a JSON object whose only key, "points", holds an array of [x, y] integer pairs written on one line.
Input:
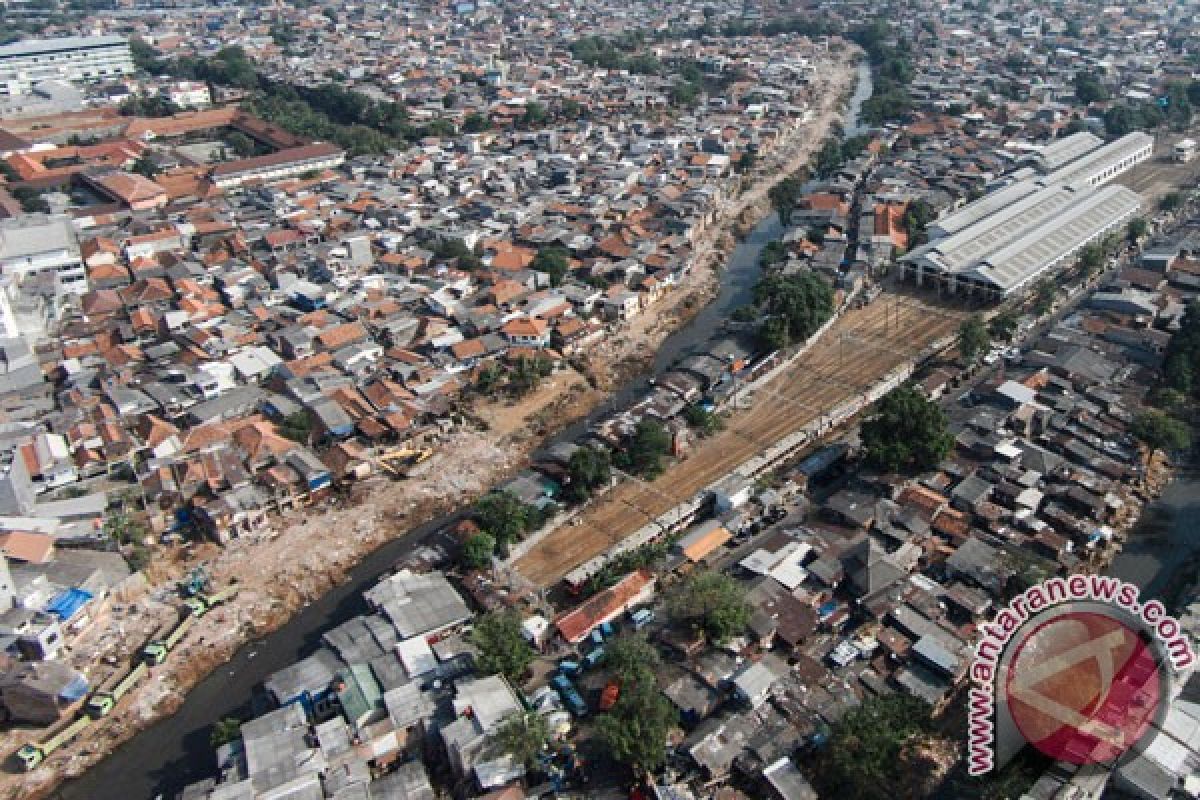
{"points": [[467, 463]]}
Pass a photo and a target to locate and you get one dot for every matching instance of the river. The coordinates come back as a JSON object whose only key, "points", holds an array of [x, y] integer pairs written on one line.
{"points": [[1150, 558], [174, 752]]}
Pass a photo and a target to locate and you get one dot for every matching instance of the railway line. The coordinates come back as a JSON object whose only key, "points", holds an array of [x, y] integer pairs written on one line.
{"points": [[857, 351]]}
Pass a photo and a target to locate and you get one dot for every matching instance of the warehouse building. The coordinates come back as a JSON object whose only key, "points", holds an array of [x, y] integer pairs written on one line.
{"points": [[73, 58], [1003, 242]]}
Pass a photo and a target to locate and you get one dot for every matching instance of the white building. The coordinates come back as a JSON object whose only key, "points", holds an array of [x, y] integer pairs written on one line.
{"points": [[1003, 242], [1185, 150], [74, 58], [189, 94], [32, 243]]}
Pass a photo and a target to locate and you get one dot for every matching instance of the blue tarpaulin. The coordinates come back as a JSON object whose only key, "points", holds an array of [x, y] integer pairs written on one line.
{"points": [[76, 689], [66, 603]]}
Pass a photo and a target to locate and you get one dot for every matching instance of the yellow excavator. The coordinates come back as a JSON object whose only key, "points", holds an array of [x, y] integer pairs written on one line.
{"points": [[396, 463]]}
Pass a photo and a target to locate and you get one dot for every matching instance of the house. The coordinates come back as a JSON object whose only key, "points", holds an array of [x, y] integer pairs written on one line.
{"points": [[527, 332], [703, 540], [41, 692], [480, 706], [635, 588], [754, 682]]}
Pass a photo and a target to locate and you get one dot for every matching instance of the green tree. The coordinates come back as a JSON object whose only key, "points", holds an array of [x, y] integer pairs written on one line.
{"points": [[1137, 228], [225, 731], [636, 728], [1161, 431], [1091, 257], [828, 159], [1003, 326], [145, 167], [502, 648], [973, 338], [242, 144], [145, 57], [125, 528], [297, 426], [535, 115], [704, 421], [916, 219], [589, 468], [773, 334], [906, 432], [630, 658], [1088, 88], [867, 756], [1044, 295], [503, 515], [31, 200], [785, 194], [475, 123], [711, 602], [523, 736], [477, 551], [554, 262], [643, 452], [1171, 201], [803, 301]]}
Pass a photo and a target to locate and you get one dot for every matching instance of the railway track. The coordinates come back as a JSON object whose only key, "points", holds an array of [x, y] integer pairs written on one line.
{"points": [[860, 349]]}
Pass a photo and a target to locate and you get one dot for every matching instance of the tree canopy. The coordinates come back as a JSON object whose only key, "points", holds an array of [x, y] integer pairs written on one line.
{"points": [[1003, 326], [637, 727], [522, 736], [869, 756], [643, 452], [553, 261], [477, 551], [1161, 431], [1182, 365], [590, 469], [973, 338], [502, 648], [503, 515], [795, 306], [630, 658], [906, 433], [711, 602]]}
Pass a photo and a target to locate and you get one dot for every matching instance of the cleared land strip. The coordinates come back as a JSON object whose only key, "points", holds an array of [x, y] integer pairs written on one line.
{"points": [[859, 350]]}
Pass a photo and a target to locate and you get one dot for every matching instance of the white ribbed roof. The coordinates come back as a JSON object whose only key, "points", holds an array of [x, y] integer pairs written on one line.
{"points": [[1021, 261]]}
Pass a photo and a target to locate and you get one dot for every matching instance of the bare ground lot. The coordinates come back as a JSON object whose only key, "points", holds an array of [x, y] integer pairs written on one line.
{"points": [[857, 351]]}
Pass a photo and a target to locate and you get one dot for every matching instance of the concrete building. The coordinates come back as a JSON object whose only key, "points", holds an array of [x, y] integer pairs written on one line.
{"points": [[74, 58], [35, 243], [287, 163], [1006, 240]]}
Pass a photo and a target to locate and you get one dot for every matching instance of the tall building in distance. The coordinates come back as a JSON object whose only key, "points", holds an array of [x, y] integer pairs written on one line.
{"points": [[74, 58]]}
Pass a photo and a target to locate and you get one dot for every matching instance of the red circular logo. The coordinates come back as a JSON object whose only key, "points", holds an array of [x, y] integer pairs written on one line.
{"points": [[1084, 687]]}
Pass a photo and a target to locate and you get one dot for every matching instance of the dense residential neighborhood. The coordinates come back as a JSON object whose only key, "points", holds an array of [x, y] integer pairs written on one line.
{"points": [[717, 371]]}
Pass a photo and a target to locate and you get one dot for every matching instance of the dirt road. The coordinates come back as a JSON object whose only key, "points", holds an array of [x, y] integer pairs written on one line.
{"points": [[856, 352]]}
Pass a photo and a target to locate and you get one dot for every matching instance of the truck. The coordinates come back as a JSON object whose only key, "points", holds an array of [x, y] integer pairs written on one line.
{"points": [[32, 754], [593, 658], [103, 701], [156, 651], [571, 697], [202, 603], [610, 695]]}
